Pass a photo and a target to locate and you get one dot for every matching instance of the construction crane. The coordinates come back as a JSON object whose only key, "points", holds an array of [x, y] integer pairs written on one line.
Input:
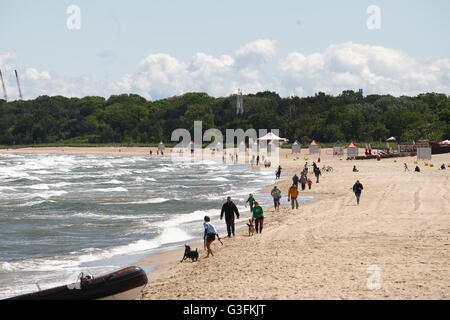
{"points": [[18, 85], [3, 85]]}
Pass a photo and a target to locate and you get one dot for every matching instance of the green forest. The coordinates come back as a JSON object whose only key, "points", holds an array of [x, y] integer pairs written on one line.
{"points": [[130, 118]]}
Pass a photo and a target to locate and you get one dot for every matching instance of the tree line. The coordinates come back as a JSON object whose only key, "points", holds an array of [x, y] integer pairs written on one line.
{"points": [[130, 118]]}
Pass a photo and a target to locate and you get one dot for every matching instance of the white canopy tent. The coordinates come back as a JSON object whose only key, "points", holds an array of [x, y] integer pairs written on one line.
{"points": [[391, 139], [272, 137]]}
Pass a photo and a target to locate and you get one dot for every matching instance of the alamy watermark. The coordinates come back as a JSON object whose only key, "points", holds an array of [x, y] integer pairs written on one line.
{"points": [[374, 279], [374, 20], [239, 146], [73, 21]]}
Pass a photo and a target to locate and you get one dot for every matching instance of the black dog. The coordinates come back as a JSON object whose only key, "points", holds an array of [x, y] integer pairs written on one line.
{"points": [[189, 254]]}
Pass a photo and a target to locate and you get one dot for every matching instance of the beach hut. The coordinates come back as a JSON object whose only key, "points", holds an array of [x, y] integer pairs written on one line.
{"points": [[338, 150], [314, 147], [423, 153], [296, 147], [352, 150]]}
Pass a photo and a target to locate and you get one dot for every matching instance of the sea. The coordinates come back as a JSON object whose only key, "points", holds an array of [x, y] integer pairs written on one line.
{"points": [[61, 215]]}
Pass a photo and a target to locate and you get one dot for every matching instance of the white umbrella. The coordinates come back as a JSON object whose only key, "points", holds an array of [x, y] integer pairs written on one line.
{"points": [[391, 139]]}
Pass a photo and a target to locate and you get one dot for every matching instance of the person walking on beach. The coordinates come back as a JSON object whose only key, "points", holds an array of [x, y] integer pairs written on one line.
{"points": [[357, 189], [258, 216], [309, 182], [257, 160], [305, 168], [209, 236], [292, 196], [229, 209], [250, 201], [276, 195], [295, 180], [303, 180], [278, 173], [317, 173]]}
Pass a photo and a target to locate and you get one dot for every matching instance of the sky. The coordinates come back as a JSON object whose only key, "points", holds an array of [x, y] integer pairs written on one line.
{"points": [[163, 48]]}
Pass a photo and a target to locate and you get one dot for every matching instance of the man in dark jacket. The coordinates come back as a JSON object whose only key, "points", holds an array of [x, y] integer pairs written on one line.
{"points": [[357, 189], [230, 209]]}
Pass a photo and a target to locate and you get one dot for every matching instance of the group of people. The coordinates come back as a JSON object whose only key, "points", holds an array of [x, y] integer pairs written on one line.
{"points": [[230, 212]]}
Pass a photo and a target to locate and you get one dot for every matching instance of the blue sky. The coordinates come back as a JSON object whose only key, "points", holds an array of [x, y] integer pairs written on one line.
{"points": [[115, 36]]}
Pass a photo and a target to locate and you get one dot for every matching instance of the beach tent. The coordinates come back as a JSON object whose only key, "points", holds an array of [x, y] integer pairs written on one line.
{"points": [[296, 147], [352, 150], [314, 147], [391, 139], [271, 137], [272, 141]]}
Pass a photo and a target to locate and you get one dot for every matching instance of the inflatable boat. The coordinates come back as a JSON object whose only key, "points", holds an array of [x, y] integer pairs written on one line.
{"points": [[124, 284]]}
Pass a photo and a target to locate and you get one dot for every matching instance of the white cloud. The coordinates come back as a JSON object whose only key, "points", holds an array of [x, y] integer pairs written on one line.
{"points": [[253, 67], [256, 53], [374, 68]]}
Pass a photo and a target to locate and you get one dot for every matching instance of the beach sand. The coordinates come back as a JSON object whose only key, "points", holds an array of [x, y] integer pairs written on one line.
{"points": [[394, 245]]}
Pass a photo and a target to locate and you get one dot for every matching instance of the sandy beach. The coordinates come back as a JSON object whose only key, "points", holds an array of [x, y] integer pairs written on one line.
{"points": [[327, 249]]}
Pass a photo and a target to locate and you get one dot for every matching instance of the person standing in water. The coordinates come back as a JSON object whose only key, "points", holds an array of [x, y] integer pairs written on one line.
{"points": [[258, 216], [229, 209], [209, 236], [250, 201], [357, 189], [278, 173]]}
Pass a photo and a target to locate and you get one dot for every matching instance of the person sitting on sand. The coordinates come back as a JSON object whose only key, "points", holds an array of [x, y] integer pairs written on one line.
{"points": [[354, 169], [258, 216], [209, 236], [417, 169], [443, 167], [250, 201], [292, 196], [276, 195]]}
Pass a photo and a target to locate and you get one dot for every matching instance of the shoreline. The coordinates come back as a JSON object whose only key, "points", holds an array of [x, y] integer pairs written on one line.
{"points": [[329, 248]]}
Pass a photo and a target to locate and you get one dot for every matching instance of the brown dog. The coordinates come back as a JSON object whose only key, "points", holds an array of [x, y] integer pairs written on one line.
{"points": [[251, 227]]}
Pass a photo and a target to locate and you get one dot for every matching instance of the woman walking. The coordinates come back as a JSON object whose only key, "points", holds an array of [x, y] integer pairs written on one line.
{"points": [[209, 236], [258, 216]]}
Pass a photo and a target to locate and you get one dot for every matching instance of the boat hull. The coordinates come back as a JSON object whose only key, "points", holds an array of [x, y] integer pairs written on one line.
{"points": [[124, 284]]}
